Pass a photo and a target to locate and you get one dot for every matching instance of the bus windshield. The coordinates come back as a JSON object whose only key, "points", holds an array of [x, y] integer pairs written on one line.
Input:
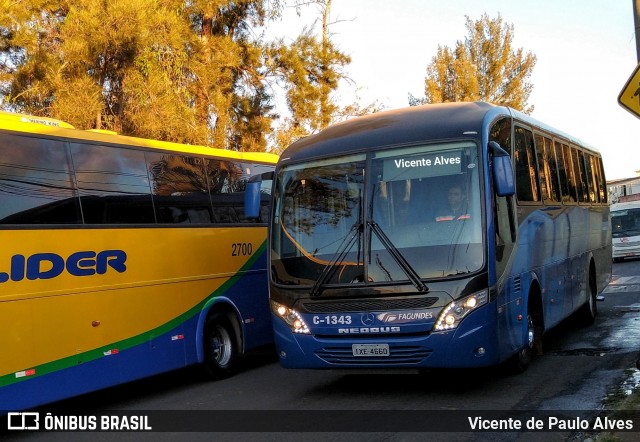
{"points": [[625, 222], [396, 215]]}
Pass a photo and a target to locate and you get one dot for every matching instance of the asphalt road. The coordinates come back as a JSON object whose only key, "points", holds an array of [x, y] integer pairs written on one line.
{"points": [[581, 370]]}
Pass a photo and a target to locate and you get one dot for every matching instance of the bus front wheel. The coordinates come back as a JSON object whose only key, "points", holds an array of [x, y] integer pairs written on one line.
{"points": [[533, 343], [220, 348]]}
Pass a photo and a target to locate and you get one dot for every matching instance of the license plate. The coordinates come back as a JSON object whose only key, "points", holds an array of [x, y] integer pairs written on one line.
{"points": [[370, 349]]}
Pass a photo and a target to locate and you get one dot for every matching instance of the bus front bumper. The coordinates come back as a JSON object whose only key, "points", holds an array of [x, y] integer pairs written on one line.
{"points": [[470, 345], [625, 250]]}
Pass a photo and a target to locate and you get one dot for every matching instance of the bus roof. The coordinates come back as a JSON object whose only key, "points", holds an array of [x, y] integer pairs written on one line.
{"points": [[625, 205], [56, 128], [8, 119], [408, 126]]}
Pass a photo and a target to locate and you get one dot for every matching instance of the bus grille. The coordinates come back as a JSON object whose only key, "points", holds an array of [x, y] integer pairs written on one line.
{"points": [[398, 355], [369, 305]]}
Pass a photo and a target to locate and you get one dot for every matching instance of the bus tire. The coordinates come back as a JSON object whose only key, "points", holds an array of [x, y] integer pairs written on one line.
{"points": [[220, 347], [533, 344], [589, 311]]}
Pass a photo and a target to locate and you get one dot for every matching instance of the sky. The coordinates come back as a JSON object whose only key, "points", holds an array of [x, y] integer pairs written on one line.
{"points": [[586, 52]]}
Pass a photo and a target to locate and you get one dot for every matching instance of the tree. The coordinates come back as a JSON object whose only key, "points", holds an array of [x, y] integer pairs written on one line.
{"points": [[123, 67], [483, 67], [229, 95], [29, 48], [168, 69], [310, 69], [191, 72]]}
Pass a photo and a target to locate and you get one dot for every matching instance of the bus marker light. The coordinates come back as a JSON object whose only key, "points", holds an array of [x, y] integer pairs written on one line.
{"points": [[519, 317], [25, 373]]}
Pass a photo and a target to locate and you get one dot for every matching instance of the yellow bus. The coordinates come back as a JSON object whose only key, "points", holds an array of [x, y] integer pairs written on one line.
{"points": [[121, 258]]}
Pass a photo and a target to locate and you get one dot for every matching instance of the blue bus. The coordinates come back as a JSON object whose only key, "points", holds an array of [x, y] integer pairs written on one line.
{"points": [[445, 235]]}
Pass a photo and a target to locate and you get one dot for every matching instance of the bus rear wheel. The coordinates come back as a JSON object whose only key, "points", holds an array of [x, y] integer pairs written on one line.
{"points": [[589, 310], [220, 347]]}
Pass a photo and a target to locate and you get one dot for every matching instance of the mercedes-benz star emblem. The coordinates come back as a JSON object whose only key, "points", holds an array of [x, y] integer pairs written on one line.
{"points": [[367, 319]]}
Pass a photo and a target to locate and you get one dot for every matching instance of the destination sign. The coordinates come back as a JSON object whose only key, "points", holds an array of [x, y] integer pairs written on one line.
{"points": [[423, 165]]}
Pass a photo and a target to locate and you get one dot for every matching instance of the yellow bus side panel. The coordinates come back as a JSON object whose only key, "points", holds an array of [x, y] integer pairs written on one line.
{"points": [[168, 271]]}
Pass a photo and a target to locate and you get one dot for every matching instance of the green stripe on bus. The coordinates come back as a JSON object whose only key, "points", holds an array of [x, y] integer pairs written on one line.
{"points": [[97, 353]]}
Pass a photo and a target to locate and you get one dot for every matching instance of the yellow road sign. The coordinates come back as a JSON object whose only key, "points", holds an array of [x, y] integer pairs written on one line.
{"points": [[629, 97]]}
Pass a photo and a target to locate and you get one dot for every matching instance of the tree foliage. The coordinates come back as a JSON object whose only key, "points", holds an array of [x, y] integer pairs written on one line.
{"points": [[311, 69], [195, 72], [482, 67], [29, 48]]}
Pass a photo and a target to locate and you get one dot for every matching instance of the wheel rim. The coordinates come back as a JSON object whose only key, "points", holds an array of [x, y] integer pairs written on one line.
{"points": [[531, 333], [592, 297], [221, 346]]}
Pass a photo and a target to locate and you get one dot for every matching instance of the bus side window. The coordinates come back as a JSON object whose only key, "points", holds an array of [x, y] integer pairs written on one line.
{"points": [[505, 223], [226, 188], [36, 186], [179, 188], [591, 194], [505, 231], [577, 170], [602, 184], [527, 187], [572, 196], [113, 184], [563, 177], [550, 162], [548, 169]]}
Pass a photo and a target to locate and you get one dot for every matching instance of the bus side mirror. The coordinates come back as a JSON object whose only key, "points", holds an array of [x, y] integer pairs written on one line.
{"points": [[502, 171], [252, 200], [253, 194]]}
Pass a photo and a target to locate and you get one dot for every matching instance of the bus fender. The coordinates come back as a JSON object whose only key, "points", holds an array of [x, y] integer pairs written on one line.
{"points": [[220, 304], [534, 287]]}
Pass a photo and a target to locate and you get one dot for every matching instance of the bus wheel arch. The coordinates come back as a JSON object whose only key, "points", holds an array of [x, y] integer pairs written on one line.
{"points": [[221, 342], [534, 320]]}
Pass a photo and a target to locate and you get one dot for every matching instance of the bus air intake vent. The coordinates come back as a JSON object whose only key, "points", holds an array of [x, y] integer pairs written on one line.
{"points": [[516, 284], [369, 305], [399, 355]]}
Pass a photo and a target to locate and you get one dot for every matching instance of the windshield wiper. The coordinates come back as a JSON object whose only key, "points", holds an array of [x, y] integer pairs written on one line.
{"points": [[337, 258], [397, 256]]}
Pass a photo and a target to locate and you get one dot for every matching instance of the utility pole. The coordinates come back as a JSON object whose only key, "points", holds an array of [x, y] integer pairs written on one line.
{"points": [[636, 21]]}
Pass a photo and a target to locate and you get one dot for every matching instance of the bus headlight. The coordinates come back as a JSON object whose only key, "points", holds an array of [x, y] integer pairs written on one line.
{"points": [[291, 317], [454, 312]]}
